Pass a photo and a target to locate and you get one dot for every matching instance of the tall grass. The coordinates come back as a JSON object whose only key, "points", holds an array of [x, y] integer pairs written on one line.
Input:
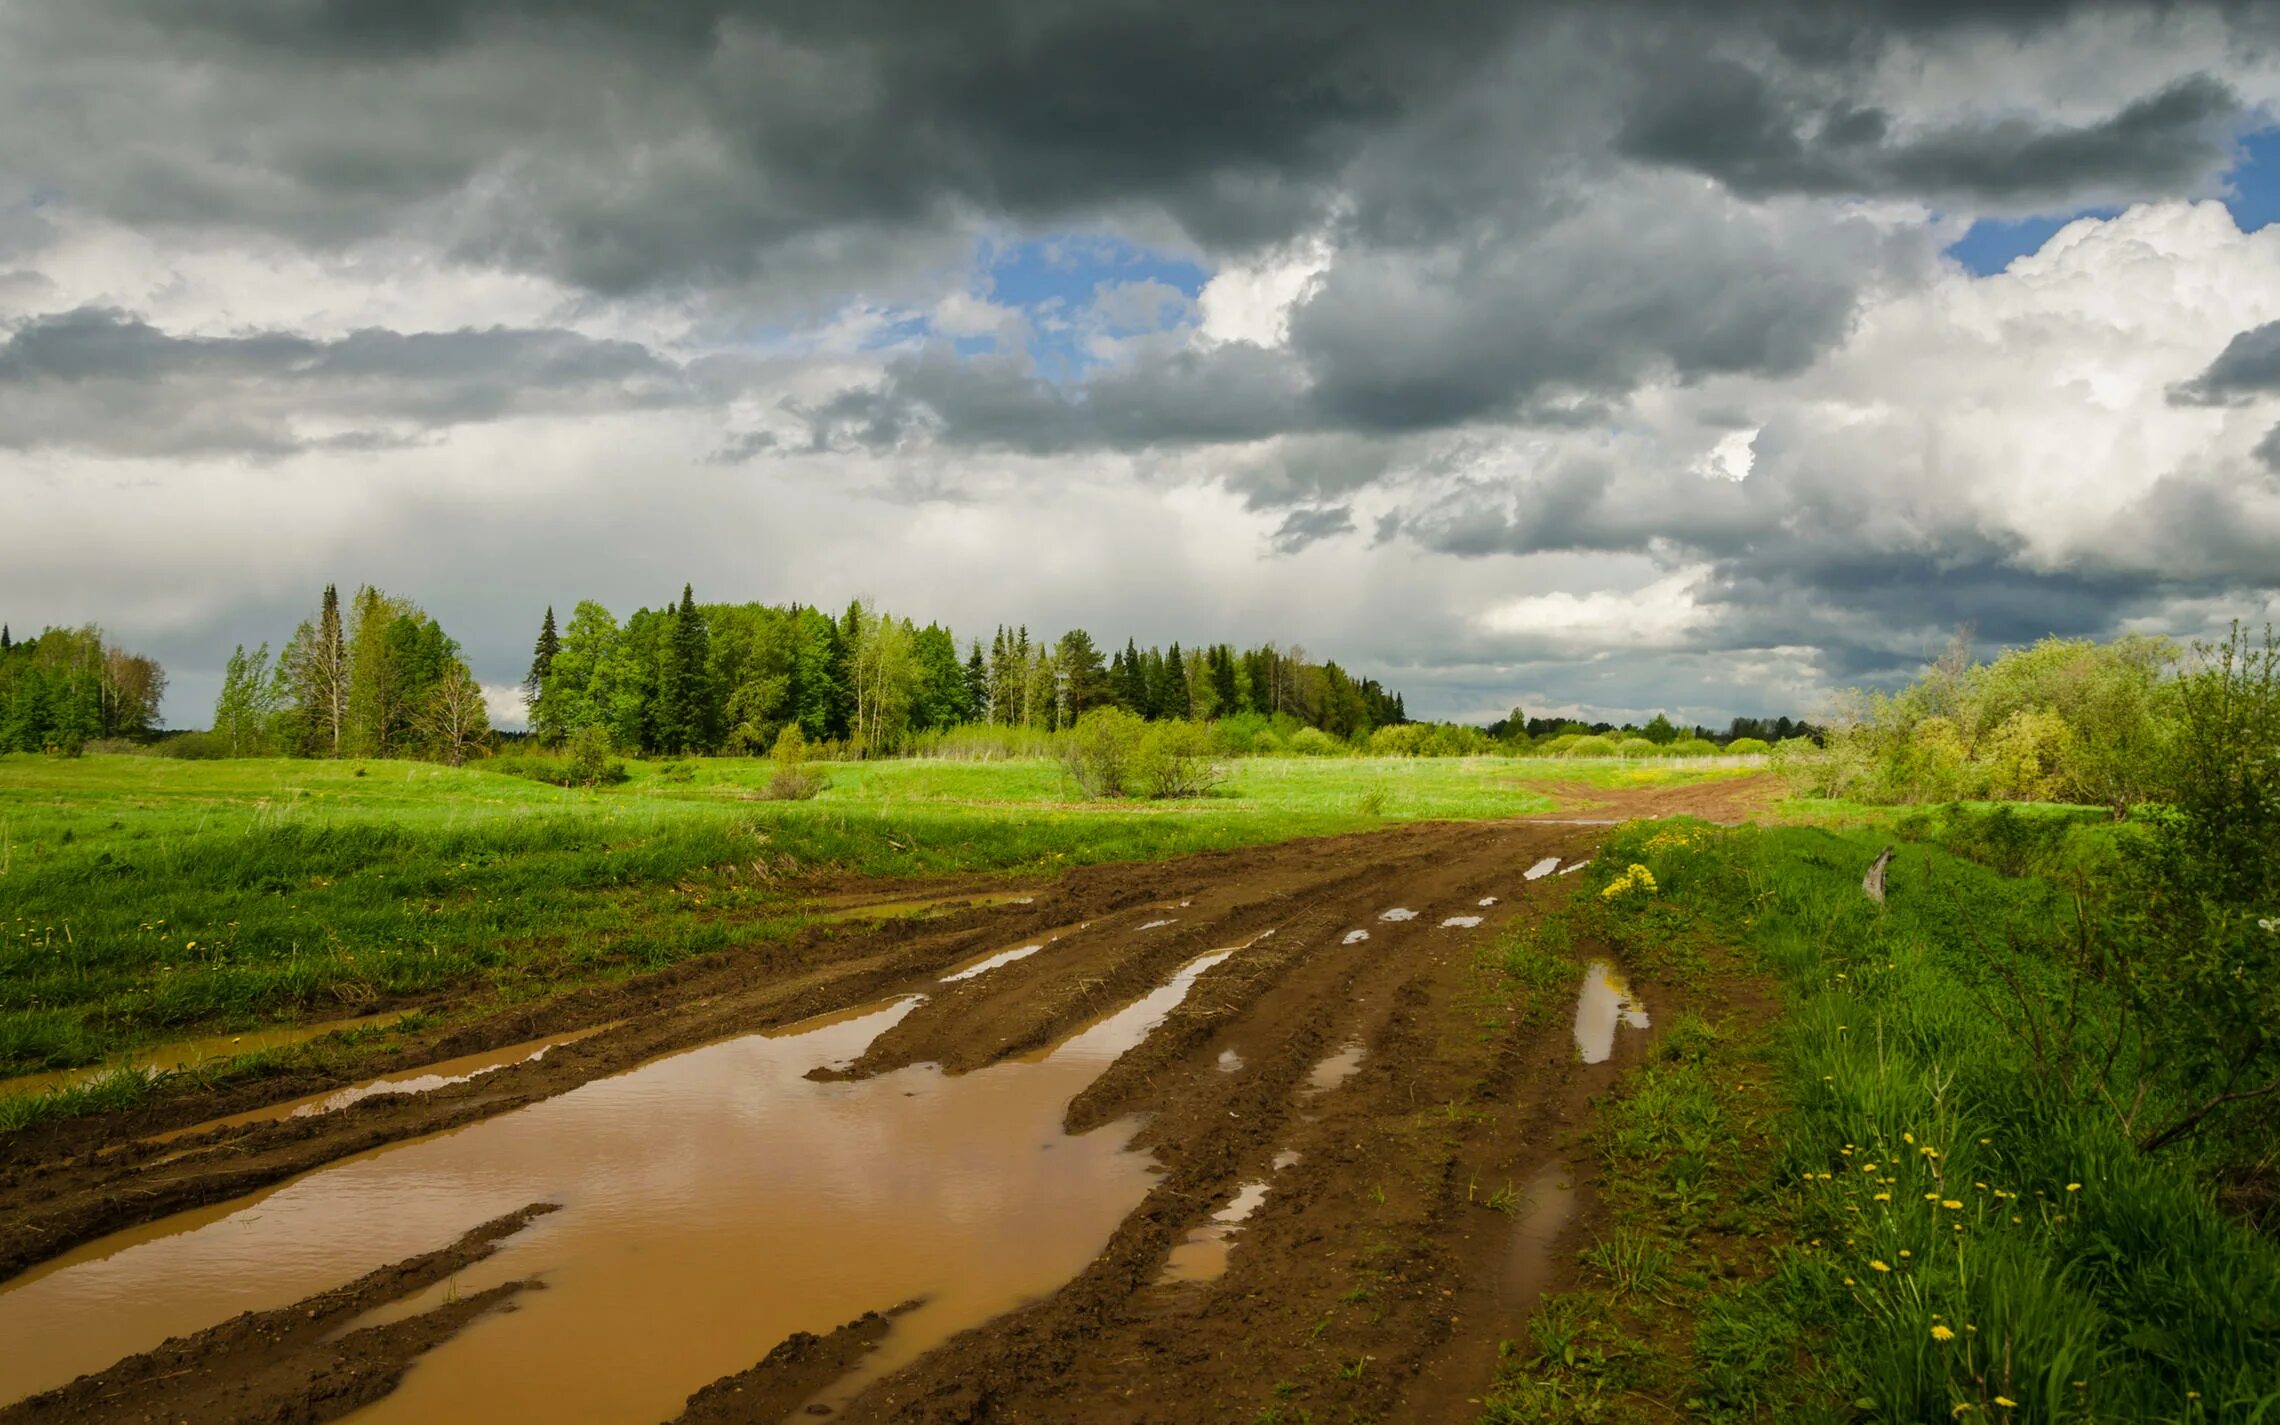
{"points": [[1972, 1244]]}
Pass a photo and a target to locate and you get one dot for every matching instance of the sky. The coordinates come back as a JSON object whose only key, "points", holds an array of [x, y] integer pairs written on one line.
{"points": [[1596, 358]]}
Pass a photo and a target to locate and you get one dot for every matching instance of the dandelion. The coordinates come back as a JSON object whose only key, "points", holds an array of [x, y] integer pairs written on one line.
{"points": [[1907, 1137], [1906, 1253], [1877, 1264], [1951, 1204], [1942, 1333], [1884, 1197], [2006, 1402], [1848, 1281], [2074, 1187], [1960, 1411]]}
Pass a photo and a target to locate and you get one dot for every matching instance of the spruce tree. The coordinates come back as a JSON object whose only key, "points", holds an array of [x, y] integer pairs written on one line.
{"points": [[977, 685], [541, 668]]}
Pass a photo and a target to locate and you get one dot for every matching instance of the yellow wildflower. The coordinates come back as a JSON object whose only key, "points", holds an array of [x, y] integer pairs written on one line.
{"points": [[2074, 1187], [2006, 1402], [1884, 1197], [1951, 1204], [1942, 1333], [1878, 1265]]}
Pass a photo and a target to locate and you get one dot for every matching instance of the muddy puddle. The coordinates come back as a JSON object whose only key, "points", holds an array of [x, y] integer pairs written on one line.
{"points": [[426, 1079], [1547, 1203], [191, 1053], [986, 963], [1202, 1255], [1230, 1061], [713, 1202], [1574, 867], [1399, 912], [1335, 1070], [1461, 922], [1542, 868], [1605, 1005], [1355, 937]]}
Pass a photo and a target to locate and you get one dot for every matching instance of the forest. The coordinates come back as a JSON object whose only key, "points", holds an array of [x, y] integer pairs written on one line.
{"points": [[68, 687]]}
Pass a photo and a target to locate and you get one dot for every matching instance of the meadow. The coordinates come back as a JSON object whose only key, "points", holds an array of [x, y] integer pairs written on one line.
{"points": [[149, 898]]}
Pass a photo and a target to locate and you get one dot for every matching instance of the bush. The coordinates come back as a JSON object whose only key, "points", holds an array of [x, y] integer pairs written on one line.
{"points": [[1693, 747], [590, 764], [1174, 759], [1314, 742], [1558, 746], [1748, 747], [1098, 752], [1402, 740], [983, 742], [793, 780], [1638, 747], [1591, 746]]}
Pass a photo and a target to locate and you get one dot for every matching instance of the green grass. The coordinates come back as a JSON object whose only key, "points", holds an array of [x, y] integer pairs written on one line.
{"points": [[146, 898], [1965, 1240]]}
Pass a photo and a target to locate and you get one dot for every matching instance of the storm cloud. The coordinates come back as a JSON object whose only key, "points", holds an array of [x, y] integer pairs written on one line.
{"points": [[1465, 340]]}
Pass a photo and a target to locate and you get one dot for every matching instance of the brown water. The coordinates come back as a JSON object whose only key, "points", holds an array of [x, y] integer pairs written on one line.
{"points": [[888, 910], [190, 1053], [1605, 1005], [1542, 868], [1202, 1255], [713, 1203], [1547, 1205], [1335, 1070], [425, 1080]]}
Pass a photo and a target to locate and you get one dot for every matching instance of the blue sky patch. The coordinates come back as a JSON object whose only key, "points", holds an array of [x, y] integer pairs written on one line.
{"points": [[2253, 194]]}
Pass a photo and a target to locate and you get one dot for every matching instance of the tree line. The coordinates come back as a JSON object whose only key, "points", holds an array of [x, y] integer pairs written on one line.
{"points": [[376, 677], [69, 687], [692, 677]]}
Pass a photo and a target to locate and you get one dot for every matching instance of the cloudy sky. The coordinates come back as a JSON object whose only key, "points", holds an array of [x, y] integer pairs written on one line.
{"points": [[1591, 356]]}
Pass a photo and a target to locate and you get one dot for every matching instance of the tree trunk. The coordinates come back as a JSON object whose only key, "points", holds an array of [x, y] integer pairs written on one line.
{"points": [[1872, 884]]}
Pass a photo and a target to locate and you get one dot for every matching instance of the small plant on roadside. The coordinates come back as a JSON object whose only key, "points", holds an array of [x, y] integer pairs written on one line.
{"points": [[792, 779]]}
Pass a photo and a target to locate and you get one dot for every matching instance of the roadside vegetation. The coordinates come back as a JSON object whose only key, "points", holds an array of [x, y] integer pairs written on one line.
{"points": [[2007, 1152]]}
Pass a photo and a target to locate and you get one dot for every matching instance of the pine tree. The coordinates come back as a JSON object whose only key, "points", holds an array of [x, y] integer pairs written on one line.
{"points": [[5, 643], [977, 685], [534, 686], [682, 707]]}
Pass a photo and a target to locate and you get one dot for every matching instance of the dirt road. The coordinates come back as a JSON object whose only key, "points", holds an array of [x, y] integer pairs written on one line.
{"points": [[1195, 1150]]}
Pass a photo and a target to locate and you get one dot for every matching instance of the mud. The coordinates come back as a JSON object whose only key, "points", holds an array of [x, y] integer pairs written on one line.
{"points": [[1378, 1187], [191, 1053], [1604, 1005]]}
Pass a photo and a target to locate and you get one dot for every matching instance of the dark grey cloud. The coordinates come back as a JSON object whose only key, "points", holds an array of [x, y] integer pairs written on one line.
{"points": [[1301, 528], [2248, 368], [100, 379], [1738, 125]]}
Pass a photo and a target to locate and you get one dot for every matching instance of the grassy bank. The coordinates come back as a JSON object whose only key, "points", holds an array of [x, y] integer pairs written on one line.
{"points": [[149, 898], [1945, 1229]]}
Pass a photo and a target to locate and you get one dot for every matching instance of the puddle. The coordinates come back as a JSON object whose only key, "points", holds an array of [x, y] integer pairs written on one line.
{"points": [[191, 1053], [1288, 1158], [714, 1202], [1542, 868], [988, 963], [1547, 1205], [1202, 1256], [1334, 1070], [1604, 1006], [1399, 913], [425, 1080], [1355, 937], [1575, 867], [1485, 901], [1460, 922], [1151, 925], [1230, 1062]]}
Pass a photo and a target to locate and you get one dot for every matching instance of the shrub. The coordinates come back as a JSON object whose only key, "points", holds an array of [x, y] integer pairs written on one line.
{"points": [[793, 780], [1174, 759], [590, 764], [1558, 746], [1098, 752], [1240, 734], [1402, 740], [1748, 747], [193, 746], [1638, 747], [1693, 747], [1314, 742], [1591, 746]]}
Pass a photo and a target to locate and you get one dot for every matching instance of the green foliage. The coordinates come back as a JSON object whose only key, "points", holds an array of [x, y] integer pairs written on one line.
{"points": [[791, 778], [68, 687], [2063, 720], [1314, 742], [589, 763], [1969, 1227], [1591, 746], [1099, 751], [1176, 759], [1747, 747]]}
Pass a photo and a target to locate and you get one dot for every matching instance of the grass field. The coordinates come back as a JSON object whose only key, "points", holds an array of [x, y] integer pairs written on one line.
{"points": [[147, 898]]}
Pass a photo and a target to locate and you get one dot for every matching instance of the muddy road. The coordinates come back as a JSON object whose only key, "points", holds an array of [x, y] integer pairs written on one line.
{"points": [[1173, 1142]]}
